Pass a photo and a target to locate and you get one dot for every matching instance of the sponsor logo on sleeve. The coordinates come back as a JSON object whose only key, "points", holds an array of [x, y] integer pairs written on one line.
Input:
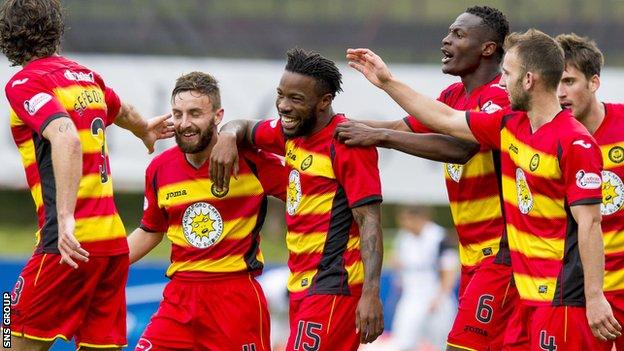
{"points": [[273, 122], [582, 143], [36, 102], [490, 107], [18, 82], [79, 76], [588, 180]]}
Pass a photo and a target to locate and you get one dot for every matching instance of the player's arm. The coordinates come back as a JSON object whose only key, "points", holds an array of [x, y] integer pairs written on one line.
{"points": [[67, 165], [398, 125], [432, 113], [436, 147], [591, 248], [369, 314], [147, 130], [141, 242], [224, 154]]}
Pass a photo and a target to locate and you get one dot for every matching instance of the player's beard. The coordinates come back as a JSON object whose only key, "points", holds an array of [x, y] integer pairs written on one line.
{"points": [[304, 128], [519, 98], [204, 140]]}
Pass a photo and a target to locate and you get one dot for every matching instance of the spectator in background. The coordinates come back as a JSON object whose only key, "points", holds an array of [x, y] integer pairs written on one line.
{"points": [[426, 263]]}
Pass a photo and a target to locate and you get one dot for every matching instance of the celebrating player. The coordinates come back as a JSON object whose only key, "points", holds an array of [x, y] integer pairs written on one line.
{"points": [[605, 121], [551, 188], [333, 208], [473, 50], [59, 114], [215, 239]]}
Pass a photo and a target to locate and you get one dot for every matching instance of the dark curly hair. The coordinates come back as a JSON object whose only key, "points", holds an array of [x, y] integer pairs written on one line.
{"points": [[30, 29], [496, 23], [312, 64], [202, 83]]}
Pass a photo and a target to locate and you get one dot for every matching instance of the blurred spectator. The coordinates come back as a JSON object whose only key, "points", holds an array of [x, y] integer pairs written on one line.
{"points": [[426, 262]]}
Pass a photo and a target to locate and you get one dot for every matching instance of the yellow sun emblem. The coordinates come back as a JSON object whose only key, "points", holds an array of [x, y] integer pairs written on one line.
{"points": [[608, 193], [202, 225]]}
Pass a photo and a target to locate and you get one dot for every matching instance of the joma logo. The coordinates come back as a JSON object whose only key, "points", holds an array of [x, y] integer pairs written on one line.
{"points": [[175, 194]]}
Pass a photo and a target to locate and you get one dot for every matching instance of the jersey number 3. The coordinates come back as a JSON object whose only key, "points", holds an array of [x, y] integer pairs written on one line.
{"points": [[96, 126]]}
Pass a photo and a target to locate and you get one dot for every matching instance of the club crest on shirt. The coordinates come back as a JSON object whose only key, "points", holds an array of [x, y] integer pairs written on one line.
{"points": [[588, 180], [612, 193], [616, 154], [293, 196], [307, 162], [218, 193], [534, 162], [525, 198], [454, 171], [202, 225]]}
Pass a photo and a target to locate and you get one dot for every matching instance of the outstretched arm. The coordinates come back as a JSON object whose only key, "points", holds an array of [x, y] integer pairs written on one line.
{"points": [[224, 154], [369, 314], [147, 130], [432, 113], [436, 147], [591, 248], [141, 242]]}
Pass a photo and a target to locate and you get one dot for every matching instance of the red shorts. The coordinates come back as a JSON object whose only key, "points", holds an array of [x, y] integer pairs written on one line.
{"points": [[224, 313], [539, 328], [323, 322], [616, 300], [484, 308], [52, 300], [466, 276]]}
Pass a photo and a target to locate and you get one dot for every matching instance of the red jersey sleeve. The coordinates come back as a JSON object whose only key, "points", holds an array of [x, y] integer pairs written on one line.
{"points": [[113, 105], [494, 99], [34, 103], [356, 171], [270, 171], [581, 165], [268, 135], [154, 219], [415, 125], [486, 127]]}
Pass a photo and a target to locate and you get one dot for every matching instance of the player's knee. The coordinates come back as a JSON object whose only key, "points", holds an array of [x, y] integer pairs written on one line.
{"points": [[23, 344]]}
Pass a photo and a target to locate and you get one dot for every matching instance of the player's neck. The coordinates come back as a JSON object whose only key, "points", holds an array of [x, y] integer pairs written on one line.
{"points": [[37, 58], [594, 116], [198, 159], [544, 107], [484, 74], [322, 121]]}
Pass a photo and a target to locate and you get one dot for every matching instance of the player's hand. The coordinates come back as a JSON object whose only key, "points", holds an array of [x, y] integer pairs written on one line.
{"points": [[369, 321], [224, 161], [160, 127], [356, 134], [68, 246], [370, 65], [600, 317]]}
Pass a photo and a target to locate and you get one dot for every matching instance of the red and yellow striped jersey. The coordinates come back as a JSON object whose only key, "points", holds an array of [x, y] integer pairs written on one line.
{"points": [[50, 88], [326, 180], [610, 138], [211, 232], [473, 188], [544, 173]]}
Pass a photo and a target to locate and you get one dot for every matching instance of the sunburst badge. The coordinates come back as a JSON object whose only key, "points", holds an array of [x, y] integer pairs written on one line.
{"points": [[202, 225], [612, 193], [525, 199], [454, 171], [293, 197]]}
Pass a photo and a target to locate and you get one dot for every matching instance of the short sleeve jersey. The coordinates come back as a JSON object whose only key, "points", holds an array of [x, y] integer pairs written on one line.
{"points": [[610, 138], [53, 87], [326, 180], [473, 188], [544, 173], [212, 232]]}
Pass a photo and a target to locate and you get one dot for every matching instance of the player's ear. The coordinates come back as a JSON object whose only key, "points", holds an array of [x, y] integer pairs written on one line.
{"points": [[528, 81], [325, 101], [218, 116], [488, 48], [594, 83]]}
